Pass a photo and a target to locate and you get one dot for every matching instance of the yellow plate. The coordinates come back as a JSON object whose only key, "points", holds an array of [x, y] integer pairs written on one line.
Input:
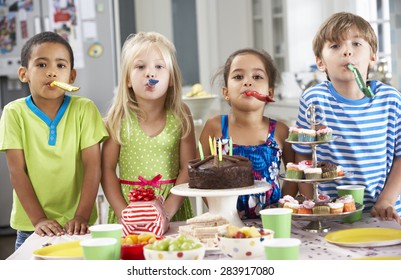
{"points": [[63, 251], [380, 258], [365, 237]]}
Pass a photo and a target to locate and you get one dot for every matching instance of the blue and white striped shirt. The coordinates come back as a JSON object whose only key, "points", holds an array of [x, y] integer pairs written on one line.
{"points": [[369, 134]]}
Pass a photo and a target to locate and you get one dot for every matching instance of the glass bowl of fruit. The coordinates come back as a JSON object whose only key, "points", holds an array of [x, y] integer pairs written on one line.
{"points": [[175, 248], [243, 243], [199, 101], [132, 245]]}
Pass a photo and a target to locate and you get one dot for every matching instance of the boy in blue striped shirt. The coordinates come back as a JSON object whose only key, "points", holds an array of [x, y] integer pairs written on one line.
{"points": [[370, 143]]}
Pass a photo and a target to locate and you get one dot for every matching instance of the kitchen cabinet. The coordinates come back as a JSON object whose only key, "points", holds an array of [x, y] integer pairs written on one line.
{"points": [[270, 29], [285, 28]]}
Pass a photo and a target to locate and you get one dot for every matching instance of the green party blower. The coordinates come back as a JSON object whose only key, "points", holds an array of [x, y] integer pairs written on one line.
{"points": [[364, 88]]}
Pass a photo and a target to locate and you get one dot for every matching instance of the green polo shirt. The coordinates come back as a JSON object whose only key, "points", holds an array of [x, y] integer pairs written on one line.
{"points": [[52, 150]]}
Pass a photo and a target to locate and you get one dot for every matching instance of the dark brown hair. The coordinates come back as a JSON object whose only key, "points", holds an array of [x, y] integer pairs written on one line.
{"points": [[270, 67]]}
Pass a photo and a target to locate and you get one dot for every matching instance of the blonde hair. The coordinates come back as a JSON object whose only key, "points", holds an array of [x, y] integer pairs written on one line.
{"points": [[335, 28], [124, 103]]}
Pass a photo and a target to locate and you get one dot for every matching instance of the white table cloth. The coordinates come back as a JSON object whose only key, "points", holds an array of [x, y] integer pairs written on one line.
{"points": [[313, 247]]}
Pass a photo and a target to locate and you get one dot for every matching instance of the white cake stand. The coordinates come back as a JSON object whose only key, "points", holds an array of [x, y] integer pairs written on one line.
{"points": [[224, 201]]}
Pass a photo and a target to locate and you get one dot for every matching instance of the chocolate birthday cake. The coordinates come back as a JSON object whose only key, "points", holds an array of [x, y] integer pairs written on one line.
{"points": [[230, 172]]}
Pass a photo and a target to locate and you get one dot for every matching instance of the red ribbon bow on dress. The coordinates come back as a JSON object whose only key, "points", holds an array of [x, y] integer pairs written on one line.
{"points": [[155, 182]]}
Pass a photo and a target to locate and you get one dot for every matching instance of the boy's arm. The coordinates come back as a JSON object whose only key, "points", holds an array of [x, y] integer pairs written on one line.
{"points": [[384, 206], [27, 196], [187, 152], [90, 187], [110, 181]]}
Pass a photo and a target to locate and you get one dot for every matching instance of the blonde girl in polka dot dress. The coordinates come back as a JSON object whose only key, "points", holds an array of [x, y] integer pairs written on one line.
{"points": [[152, 132]]}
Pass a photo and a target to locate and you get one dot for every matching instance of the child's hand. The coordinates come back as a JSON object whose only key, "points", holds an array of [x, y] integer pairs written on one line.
{"points": [[48, 227], [77, 225], [385, 211]]}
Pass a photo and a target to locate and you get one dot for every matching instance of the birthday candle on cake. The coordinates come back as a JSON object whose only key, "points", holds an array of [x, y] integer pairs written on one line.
{"points": [[200, 151], [214, 147], [211, 146], [220, 152], [231, 146]]}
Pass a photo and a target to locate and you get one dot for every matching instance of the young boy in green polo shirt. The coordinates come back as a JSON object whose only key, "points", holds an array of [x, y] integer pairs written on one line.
{"points": [[52, 144]]}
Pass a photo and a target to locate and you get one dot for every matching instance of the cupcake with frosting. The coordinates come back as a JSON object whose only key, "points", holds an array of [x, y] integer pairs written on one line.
{"points": [[293, 133], [324, 134], [287, 198], [305, 164], [306, 135], [329, 170], [321, 209], [336, 207], [294, 206], [313, 173], [323, 198], [293, 171], [349, 202], [306, 207]]}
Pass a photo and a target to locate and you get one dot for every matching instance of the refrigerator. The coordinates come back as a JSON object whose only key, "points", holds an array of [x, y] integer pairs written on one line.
{"points": [[88, 25]]}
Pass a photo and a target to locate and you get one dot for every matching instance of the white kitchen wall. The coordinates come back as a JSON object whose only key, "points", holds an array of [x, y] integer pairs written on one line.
{"points": [[304, 19], [395, 19], [224, 26], [154, 15]]}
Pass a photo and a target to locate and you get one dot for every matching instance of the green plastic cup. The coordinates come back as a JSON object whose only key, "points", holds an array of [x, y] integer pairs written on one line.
{"points": [[109, 230], [282, 248], [357, 192], [99, 248], [277, 220]]}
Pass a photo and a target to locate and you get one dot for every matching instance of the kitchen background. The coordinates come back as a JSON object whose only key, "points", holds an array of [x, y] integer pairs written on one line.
{"points": [[204, 32]]}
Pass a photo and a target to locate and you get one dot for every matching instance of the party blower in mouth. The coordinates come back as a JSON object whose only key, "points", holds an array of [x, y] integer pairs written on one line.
{"points": [[359, 80], [152, 82], [64, 86], [257, 95]]}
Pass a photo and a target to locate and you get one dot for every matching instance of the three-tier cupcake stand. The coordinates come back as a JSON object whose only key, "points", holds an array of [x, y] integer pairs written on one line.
{"points": [[317, 221]]}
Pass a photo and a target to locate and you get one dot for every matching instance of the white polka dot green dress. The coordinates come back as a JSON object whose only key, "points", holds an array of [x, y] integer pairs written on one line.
{"points": [[151, 161]]}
